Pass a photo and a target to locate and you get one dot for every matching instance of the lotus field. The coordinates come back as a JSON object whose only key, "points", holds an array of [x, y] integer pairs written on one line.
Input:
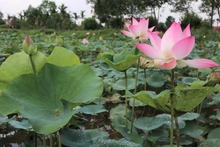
{"points": [[135, 88]]}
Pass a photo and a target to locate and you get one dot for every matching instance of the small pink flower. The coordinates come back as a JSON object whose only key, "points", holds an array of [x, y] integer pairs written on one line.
{"points": [[175, 45], [138, 29], [85, 41], [87, 33]]}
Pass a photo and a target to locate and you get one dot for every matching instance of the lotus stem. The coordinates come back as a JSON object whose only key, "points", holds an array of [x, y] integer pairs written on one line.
{"points": [[171, 121], [59, 140], [126, 99], [51, 140], [145, 79], [44, 140], [35, 139], [135, 91], [177, 132], [32, 64], [171, 109]]}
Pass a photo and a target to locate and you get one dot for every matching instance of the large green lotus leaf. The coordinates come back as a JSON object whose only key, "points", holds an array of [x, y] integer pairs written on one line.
{"points": [[82, 138], [42, 98], [120, 84], [210, 143], [156, 79], [18, 64], [117, 116], [214, 134], [92, 138], [192, 129], [63, 57], [152, 123], [187, 99], [121, 61], [160, 101]]}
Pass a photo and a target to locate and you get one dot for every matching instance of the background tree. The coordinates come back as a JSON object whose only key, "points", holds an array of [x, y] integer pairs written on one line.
{"points": [[191, 18], [210, 7], [183, 6], [169, 21], [105, 9], [1, 18]]}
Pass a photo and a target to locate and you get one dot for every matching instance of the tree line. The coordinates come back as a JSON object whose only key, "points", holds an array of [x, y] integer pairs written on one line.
{"points": [[110, 12]]}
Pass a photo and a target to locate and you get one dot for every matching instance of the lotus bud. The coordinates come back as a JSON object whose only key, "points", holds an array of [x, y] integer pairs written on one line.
{"points": [[28, 46]]}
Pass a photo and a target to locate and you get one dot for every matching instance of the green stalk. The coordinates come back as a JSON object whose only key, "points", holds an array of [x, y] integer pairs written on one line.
{"points": [[177, 132], [59, 140], [44, 140], [145, 80], [32, 64], [171, 109], [126, 99], [35, 139], [135, 91], [51, 140]]}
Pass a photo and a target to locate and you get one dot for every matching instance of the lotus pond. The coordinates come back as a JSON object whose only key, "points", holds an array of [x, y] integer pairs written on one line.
{"points": [[104, 93]]}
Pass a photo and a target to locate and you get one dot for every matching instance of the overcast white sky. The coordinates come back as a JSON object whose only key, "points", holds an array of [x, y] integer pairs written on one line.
{"points": [[13, 7]]}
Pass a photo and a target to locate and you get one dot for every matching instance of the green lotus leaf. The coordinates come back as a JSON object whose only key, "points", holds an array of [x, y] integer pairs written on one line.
{"points": [[160, 101], [121, 61], [117, 116], [45, 99], [152, 123], [156, 79], [184, 99], [82, 137], [192, 129], [18, 64], [187, 99], [63, 57], [214, 134]]}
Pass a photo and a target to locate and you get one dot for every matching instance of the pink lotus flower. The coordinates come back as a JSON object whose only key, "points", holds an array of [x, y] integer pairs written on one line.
{"points": [[85, 41], [138, 29], [175, 45]]}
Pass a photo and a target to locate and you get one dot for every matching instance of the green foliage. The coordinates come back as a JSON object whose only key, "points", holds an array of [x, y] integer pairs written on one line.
{"points": [[152, 21], [169, 21], [116, 23], [191, 18], [90, 24], [161, 27], [2, 22]]}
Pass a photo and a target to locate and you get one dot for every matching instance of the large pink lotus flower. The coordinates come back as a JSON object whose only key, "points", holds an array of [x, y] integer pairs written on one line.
{"points": [[175, 45], [138, 29]]}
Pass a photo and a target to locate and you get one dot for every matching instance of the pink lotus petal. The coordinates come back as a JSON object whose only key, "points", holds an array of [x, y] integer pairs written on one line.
{"points": [[127, 24], [200, 63], [186, 31], [134, 21], [149, 51], [127, 33], [151, 29], [135, 29], [177, 32], [167, 41], [155, 40], [168, 65], [183, 47], [143, 24]]}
